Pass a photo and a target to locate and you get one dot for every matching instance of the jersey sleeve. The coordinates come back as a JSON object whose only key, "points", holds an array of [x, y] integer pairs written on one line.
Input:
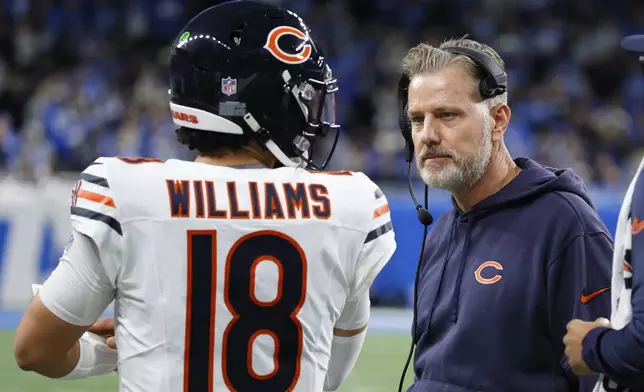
{"points": [[95, 214], [78, 290], [379, 241]]}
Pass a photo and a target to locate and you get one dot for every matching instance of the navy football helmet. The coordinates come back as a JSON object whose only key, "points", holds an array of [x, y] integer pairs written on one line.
{"points": [[245, 67]]}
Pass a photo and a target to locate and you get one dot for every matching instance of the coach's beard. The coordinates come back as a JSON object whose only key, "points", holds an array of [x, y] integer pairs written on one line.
{"points": [[462, 172]]}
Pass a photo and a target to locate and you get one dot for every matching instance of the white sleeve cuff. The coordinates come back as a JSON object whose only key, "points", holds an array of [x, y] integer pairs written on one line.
{"points": [[78, 290], [355, 314], [64, 296]]}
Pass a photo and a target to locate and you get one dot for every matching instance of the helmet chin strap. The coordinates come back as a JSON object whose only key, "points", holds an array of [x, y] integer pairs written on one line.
{"points": [[272, 147]]}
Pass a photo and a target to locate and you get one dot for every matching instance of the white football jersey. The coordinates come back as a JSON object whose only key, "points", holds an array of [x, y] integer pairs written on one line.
{"points": [[229, 279]]}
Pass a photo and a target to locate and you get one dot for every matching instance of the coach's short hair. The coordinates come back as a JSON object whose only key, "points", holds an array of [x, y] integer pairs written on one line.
{"points": [[424, 58]]}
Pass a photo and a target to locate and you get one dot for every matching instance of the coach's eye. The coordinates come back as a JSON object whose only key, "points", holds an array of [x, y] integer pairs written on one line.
{"points": [[446, 115], [417, 120]]}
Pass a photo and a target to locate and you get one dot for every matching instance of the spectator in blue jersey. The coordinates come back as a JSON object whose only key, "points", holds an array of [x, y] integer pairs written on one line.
{"points": [[521, 253], [617, 350]]}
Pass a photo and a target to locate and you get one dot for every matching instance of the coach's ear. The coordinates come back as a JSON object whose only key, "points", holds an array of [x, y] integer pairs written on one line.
{"points": [[501, 115]]}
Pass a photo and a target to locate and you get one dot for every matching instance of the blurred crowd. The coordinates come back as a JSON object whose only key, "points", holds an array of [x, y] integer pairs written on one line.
{"points": [[85, 78]]}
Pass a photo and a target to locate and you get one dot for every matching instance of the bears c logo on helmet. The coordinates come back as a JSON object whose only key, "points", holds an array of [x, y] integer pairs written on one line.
{"points": [[272, 45]]}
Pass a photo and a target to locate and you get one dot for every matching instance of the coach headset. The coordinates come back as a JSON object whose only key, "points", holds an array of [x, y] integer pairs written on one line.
{"points": [[493, 83]]}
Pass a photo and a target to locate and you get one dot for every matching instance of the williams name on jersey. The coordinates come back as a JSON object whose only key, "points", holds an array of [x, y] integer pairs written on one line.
{"points": [[275, 201]]}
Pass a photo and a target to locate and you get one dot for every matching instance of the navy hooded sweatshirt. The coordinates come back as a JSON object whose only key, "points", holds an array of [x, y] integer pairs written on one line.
{"points": [[499, 283]]}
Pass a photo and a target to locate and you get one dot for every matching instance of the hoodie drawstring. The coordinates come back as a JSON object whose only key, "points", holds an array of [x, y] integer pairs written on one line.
{"points": [[461, 269]]}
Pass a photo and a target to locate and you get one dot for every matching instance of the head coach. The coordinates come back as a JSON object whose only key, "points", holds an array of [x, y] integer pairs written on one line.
{"points": [[521, 253]]}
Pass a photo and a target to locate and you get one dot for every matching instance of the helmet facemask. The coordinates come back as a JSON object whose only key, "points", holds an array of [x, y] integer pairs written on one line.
{"points": [[316, 99]]}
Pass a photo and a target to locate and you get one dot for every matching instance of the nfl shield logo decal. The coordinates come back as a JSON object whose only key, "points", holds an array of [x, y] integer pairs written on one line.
{"points": [[229, 86]]}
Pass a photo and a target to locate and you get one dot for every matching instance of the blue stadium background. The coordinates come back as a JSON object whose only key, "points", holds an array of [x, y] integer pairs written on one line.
{"points": [[81, 79]]}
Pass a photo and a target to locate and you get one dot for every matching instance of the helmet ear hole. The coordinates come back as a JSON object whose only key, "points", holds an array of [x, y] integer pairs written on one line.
{"points": [[236, 35]]}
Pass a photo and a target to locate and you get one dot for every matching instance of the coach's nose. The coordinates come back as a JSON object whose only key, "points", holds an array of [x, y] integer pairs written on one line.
{"points": [[429, 134]]}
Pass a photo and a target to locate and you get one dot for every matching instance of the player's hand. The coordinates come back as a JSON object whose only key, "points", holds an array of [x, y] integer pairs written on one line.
{"points": [[576, 332], [105, 328]]}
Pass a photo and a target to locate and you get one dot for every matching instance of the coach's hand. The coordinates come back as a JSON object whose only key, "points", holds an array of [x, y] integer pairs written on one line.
{"points": [[104, 327], [577, 331]]}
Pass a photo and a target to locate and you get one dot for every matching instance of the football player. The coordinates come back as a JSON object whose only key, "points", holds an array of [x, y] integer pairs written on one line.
{"points": [[246, 270], [614, 349]]}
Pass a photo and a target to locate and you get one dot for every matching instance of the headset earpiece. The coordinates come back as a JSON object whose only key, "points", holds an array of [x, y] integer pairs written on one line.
{"points": [[494, 81], [403, 120]]}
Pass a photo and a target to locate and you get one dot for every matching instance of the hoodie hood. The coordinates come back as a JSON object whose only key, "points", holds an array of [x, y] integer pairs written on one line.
{"points": [[533, 181]]}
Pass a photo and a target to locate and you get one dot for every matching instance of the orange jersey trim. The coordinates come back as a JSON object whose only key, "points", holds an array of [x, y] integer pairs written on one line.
{"points": [[380, 211], [95, 197]]}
